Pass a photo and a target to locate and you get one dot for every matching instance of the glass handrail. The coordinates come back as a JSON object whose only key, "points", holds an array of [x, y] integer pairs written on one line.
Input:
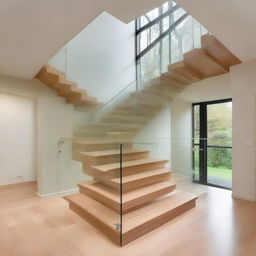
{"points": [[142, 80]]}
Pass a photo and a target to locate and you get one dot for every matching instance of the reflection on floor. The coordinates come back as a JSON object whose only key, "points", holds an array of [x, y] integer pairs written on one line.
{"points": [[219, 225], [227, 183]]}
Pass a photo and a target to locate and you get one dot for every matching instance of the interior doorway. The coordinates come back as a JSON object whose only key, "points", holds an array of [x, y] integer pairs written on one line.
{"points": [[212, 143]]}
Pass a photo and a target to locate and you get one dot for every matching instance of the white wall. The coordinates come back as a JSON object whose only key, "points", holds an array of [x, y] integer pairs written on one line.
{"points": [[101, 57], [55, 119], [155, 136], [181, 133], [18, 139], [243, 84], [181, 118]]}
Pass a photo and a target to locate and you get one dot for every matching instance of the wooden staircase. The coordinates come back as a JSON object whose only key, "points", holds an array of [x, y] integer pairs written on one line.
{"points": [[57, 80], [146, 189], [149, 197]]}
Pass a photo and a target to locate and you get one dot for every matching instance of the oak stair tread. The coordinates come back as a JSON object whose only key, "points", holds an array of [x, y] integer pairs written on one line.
{"points": [[116, 166], [154, 215], [111, 152], [130, 199], [218, 51], [137, 180], [203, 63], [156, 208], [182, 69], [96, 214], [139, 176]]}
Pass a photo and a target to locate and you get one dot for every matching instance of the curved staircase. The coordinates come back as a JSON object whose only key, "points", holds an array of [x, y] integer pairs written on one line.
{"points": [[149, 197]]}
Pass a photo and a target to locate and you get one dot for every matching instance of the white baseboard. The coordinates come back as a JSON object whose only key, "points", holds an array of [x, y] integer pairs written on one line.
{"points": [[18, 182], [60, 193], [243, 198]]}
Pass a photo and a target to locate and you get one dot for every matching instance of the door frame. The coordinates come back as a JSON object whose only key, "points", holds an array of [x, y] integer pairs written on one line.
{"points": [[203, 141]]}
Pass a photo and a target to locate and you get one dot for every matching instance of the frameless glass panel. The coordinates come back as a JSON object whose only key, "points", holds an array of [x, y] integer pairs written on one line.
{"points": [[144, 39], [165, 23], [154, 32], [165, 7], [176, 47], [143, 21], [150, 64], [178, 13], [219, 166], [165, 54], [196, 121], [197, 32], [196, 173], [152, 14]]}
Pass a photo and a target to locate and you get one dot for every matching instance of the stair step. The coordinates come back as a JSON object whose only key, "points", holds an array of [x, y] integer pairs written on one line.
{"points": [[109, 156], [66, 88], [173, 76], [138, 180], [203, 63], [154, 215], [108, 171], [89, 146], [111, 127], [96, 214], [156, 93], [183, 70], [135, 107], [135, 223], [218, 51], [125, 119], [111, 197], [129, 113], [120, 135], [89, 134], [52, 70]]}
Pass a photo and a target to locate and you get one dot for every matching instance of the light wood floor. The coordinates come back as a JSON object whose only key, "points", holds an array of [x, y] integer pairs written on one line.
{"points": [[218, 226]]}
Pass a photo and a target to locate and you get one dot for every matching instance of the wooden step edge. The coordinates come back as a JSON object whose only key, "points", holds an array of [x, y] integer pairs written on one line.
{"points": [[95, 214], [112, 198], [218, 51], [136, 181], [126, 165], [132, 232]]}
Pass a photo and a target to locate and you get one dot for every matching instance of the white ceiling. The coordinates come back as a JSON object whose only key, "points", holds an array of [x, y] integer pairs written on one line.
{"points": [[231, 21], [31, 31]]}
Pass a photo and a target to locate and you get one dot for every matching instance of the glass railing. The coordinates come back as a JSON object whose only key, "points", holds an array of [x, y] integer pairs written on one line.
{"points": [[106, 172], [184, 34]]}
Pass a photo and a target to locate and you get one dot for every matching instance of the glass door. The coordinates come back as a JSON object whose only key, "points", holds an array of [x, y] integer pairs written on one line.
{"points": [[212, 143]]}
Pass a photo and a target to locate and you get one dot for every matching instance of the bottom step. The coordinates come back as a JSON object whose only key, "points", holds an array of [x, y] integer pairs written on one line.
{"points": [[135, 223]]}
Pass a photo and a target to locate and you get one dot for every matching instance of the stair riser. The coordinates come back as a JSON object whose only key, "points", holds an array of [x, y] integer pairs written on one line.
{"points": [[51, 80], [89, 134], [156, 222], [114, 235], [120, 136], [89, 160], [125, 170], [128, 205], [146, 114], [136, 184], [115, 128], [123, 120], [98, 147]]}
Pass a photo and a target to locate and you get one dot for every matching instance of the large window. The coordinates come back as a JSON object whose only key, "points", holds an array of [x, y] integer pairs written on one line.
{"points": [[162, 36]]}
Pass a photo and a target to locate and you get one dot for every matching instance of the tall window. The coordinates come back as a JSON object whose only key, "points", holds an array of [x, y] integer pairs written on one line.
{"points": [[162, 36]]}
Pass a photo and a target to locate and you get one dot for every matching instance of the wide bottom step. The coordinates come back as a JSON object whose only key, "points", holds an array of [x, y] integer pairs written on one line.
{"points": [[135, 223]]}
